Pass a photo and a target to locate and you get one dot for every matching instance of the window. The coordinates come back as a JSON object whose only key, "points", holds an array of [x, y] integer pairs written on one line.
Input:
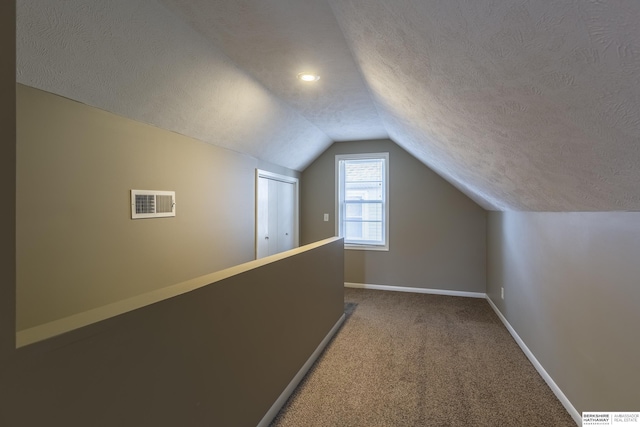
{"points": [[362, 208]]}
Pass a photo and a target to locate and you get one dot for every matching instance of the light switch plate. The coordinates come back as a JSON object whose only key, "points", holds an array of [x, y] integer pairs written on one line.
{"points": [[326, 217]]}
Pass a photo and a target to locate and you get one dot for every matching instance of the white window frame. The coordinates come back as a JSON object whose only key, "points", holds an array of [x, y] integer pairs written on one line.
{"points": [[385, 200]]}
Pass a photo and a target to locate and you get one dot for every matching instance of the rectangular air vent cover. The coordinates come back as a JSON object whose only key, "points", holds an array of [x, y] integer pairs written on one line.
{"points": [[152, 204]]}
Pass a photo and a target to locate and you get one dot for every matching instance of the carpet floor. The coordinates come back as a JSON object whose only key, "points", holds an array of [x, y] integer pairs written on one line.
{"points": [[403, 359]]}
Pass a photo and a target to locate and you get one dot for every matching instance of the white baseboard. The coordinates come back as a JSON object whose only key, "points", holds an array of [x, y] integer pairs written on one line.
{"points": [[545, 376], [416, 290], [282, 399]]}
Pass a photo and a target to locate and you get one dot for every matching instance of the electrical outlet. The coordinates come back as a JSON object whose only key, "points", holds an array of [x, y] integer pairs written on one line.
{"points": [[502, 293], [326, 217]]}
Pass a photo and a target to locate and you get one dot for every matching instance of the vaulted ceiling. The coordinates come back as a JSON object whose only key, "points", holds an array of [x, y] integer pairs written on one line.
{"points": [[521, 104]]}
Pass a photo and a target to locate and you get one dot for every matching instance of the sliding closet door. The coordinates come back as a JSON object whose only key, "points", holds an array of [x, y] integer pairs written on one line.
{"points": [[276, 213], [285, 216]]}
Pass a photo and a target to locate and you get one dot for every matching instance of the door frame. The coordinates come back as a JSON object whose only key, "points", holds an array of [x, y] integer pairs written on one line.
{"points": [[296, 208]]}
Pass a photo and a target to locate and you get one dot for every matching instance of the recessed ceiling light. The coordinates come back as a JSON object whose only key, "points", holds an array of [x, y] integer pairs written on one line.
{"points": [[308, 77]]}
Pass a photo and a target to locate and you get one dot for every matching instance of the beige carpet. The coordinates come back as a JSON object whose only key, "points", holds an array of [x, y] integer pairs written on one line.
{"points": [[405, 359]]}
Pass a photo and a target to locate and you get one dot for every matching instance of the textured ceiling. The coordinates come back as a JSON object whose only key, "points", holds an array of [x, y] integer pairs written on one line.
{"points": [[137, 59], [526, 105], [274, 40], [523, 105]]}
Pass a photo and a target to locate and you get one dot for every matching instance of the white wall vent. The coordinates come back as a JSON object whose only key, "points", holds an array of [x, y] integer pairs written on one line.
{"points": [[152, 204]]}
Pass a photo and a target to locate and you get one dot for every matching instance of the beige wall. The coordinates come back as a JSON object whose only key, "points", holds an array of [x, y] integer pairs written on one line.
{"points": [[572, 292], [77, 247], [219, 355], [7, 179], [436, 234]]}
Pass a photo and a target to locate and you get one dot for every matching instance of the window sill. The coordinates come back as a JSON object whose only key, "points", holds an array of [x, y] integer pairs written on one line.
{"points": [[366, 248]]}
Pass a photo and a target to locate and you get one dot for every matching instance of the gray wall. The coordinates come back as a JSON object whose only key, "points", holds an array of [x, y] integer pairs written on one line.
{"points": [[217, 356], [77, 247], [7, 178], [572, 292], [437, 235]]}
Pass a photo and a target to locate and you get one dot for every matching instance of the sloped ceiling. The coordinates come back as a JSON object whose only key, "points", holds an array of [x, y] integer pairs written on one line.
{"points": [[523, 105]]}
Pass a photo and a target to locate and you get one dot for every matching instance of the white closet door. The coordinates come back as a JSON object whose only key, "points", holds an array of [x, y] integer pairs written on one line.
{"points": [[273, 208], [262, 217], [276, 214], [286, 205]]}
